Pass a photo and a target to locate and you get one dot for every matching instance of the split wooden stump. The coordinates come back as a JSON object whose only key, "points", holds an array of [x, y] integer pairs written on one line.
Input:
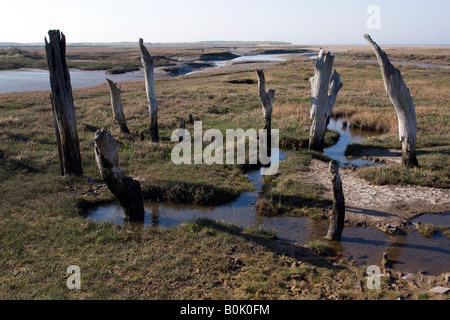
{"points": [[325, 87], [62, 104], [117, 107], [127, 191]]}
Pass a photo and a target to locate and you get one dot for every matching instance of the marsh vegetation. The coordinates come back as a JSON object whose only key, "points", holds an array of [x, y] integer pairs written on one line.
{"points": [[42, 231]]}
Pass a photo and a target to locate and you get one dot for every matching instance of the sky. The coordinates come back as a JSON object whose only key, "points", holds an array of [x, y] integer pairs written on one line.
{"points": [[295, 21]]}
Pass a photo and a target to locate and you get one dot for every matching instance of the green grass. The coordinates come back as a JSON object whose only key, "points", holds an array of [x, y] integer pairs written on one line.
{"points": [[318, 246], [433, 171], [113, 62], [291, 194], [16, 58], [428, 230]]}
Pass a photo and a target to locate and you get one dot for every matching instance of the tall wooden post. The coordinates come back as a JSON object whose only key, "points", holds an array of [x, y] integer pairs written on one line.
{"points": [[149, 66], [337, 217], [117, 107], [127, 191], [266, 99], [63, 106], [324, 90], [400, 97]]}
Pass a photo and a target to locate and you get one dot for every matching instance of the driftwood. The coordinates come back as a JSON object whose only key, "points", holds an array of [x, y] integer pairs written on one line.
{"points": [[404, 106], [127, 191], [266, 99], [62, 104], [149, 66], [337, 217], [324, 90], [117, 108]]}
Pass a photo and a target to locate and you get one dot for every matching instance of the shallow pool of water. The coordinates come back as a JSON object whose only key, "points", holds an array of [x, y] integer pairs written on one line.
{"points": [[347, 136], [442, 219], [363, 245], [411, 252]]}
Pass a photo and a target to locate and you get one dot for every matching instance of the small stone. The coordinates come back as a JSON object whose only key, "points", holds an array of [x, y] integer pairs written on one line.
{"points": [[447, 276], [440, 290]]}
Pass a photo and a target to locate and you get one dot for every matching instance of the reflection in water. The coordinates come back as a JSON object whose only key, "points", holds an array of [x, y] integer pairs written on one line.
{"points": [[347, 136], [434, 219], [363, 245]]}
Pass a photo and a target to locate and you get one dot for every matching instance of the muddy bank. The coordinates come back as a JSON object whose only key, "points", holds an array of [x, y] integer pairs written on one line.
{"points": [[217, 56], [375, 205], [284, 51]]}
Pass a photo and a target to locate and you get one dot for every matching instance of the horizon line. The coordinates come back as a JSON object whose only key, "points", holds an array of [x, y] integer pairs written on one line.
{"points": [[212, 42]]}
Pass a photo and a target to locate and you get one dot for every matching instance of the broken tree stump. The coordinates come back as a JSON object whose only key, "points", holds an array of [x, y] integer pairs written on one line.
{"points": [[62, 105], [324, 90], [117, 107], [266, 99], [337, 217], [182, 129], [127, 191], [149, 66], [400, 97]]}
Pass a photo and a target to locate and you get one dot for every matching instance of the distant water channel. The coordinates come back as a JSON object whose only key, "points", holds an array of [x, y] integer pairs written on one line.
{"points": [[38, 80], [23, 80]]}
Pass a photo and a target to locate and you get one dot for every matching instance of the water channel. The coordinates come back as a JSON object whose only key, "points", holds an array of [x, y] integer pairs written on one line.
{"points": [[23, 80]]}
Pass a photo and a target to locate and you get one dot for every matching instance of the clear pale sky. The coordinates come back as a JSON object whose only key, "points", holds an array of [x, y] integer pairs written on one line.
{"points": [[295, 21]]}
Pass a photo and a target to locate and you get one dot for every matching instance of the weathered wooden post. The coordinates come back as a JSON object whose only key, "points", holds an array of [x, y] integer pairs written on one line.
{"points": [[337, 217], [324, 90], [266, 99], [400, 97], [62, 104], [149, 66], [182, 129], [117, 108], [127, 191]]}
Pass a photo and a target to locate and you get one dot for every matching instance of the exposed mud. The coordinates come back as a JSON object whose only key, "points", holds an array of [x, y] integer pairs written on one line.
{"points": [[376, 205]]}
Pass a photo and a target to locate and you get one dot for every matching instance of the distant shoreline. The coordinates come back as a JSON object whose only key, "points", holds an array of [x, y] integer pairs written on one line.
{"points": [[211, 43]]}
